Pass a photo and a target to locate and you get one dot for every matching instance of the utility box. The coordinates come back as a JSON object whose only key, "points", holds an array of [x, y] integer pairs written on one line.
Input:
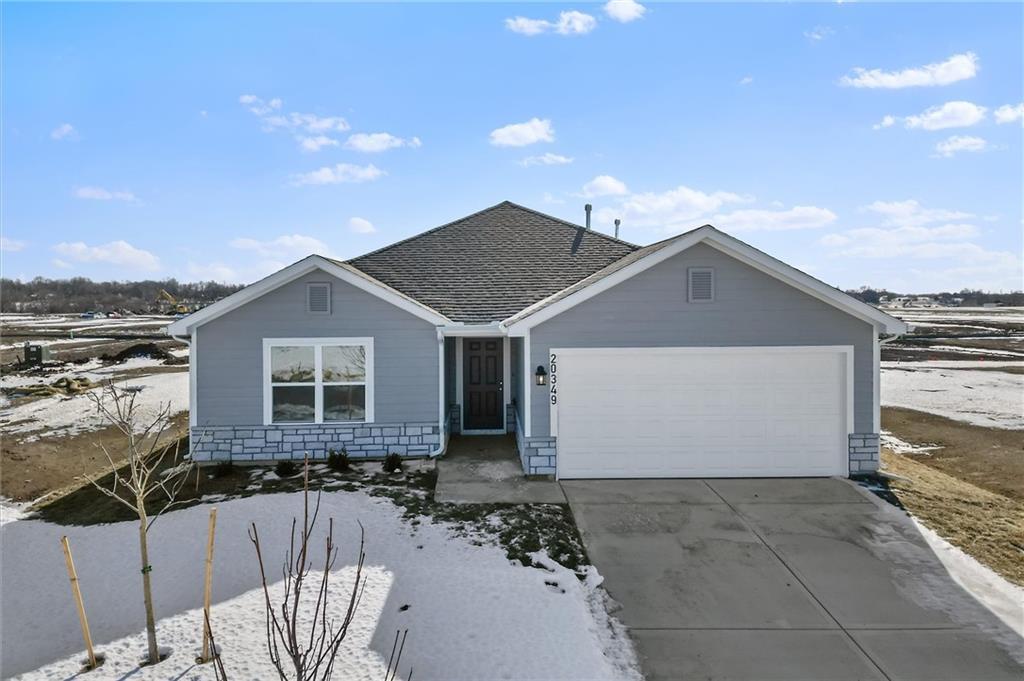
{"points": [[36, 355]]}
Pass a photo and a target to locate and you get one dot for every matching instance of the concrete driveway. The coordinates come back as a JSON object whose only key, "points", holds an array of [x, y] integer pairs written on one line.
{"points": [[783, 579]]}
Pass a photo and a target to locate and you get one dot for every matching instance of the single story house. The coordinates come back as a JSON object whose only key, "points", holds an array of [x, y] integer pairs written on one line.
{"points": [[696, 356]]}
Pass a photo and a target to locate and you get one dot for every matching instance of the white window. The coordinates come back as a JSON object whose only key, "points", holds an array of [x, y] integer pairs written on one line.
{"points": [[700, 284], [318, 298], [317, 380]]}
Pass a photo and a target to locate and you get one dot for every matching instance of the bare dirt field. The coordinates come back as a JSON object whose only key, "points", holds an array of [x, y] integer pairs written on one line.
{"points": [[51, 434], [991, 458]]}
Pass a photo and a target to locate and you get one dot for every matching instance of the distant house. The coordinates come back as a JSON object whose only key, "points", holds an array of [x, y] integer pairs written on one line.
{"points": [[694, 356]]}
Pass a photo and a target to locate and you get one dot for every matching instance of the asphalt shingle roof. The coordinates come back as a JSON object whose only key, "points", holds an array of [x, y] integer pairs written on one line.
{"points": [[489, 265]]}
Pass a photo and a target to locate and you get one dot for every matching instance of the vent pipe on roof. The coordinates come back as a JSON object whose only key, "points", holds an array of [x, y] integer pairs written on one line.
{"points": [[587, 208], [617, 223]]}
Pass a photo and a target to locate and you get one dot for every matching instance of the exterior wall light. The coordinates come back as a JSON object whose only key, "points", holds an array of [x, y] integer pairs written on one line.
{"points": [[541, 375]]}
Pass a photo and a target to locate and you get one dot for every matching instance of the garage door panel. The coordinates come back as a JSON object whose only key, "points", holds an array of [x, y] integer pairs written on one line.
{"points": [[686, 413]]}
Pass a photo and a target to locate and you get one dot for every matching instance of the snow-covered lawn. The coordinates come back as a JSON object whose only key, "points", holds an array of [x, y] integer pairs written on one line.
{"points": [[60, 416], [470, 612], [994, 399]]}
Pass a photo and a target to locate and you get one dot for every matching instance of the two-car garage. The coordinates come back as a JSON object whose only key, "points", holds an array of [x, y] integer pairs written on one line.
{"points": [[702, 412]]}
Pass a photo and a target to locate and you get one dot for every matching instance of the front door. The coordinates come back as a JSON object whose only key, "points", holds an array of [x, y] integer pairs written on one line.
{"points": [[482, 384]]}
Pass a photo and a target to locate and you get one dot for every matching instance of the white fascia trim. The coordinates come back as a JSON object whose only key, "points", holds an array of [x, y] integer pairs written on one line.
{"points": [[347, 274], [466, 330], [517, 324]]}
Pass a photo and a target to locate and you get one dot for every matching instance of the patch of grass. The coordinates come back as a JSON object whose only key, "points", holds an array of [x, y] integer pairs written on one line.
{"points": [[520, 529]]}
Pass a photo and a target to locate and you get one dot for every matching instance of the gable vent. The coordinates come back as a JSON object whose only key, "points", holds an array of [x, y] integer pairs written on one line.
{"points": [[701, 284], [318, 298]]}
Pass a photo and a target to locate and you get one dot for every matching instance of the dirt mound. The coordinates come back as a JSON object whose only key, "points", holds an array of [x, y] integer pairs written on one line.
{"points": [[67, 385], [139, 350]]}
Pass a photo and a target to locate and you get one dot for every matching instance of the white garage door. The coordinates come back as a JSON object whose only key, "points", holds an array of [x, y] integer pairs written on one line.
{"points": [[701, 412]]}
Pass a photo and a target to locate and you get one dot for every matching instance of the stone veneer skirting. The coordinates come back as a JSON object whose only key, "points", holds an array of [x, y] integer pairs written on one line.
{"points": [[537, 454], [863, 453], [263, 443]]}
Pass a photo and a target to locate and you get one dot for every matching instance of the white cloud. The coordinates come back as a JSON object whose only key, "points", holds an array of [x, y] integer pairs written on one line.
{"points": [[746, 80], [120, 253], [286, 246], [624, 11], [310, 130], [62, 264], [604, 185], [11, 245], [569, 23], [63, 131], [957, 143], [943, 238], [886, 122], [521, 134], [317, 143], [911, 212], [379, 141], [819, 33], [101, 194], [950, 115], [668, 211], [525, 26], [342, 173], [547, 159], [956, 68], [258, 106], [361, 226], [1008, 113], [797, 217]]}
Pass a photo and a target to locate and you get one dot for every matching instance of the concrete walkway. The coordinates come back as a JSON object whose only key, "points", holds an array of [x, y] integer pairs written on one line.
{"points": [[485, 469], [792, 579]]}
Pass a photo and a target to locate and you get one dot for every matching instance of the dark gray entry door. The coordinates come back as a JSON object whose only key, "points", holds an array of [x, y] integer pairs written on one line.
{"points": [[483, 398]]}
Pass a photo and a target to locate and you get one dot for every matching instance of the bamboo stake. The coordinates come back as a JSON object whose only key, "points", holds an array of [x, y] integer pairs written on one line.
{"points": [[207, 634], [73, 576]]}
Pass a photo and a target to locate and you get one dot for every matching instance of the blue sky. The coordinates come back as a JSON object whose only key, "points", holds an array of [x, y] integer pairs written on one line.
{"points": [[867, 144]]}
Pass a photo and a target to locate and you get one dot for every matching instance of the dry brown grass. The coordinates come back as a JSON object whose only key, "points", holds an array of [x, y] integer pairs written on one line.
{"points": [[987, 525]]}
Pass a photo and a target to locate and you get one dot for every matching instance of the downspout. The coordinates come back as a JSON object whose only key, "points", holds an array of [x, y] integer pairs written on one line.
{"points": [[442, 417]]}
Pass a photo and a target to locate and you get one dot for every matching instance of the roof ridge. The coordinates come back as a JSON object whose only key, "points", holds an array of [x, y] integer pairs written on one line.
{"points": [[570, 224], [484, 210]]}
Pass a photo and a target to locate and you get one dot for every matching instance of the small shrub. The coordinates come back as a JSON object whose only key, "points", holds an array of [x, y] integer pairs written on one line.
{"points": [[286, 469], [392, 463], [338, 461]]}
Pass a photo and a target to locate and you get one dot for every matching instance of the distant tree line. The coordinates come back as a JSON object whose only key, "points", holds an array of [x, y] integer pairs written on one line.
{"points": [[78, 294], [963, 298]]}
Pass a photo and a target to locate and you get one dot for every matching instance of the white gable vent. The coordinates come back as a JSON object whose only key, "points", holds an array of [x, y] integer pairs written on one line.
{"points": [[318, 298], [700, 284]]}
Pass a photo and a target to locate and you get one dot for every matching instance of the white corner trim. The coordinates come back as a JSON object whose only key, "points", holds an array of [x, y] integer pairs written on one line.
{"points": [[553, 305], [442, 416], [527, 387], [193, 389], [347, 274], [318, 344]]}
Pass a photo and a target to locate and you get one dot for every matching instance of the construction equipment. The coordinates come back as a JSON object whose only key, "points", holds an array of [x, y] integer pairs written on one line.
{"points": [[174, 305]]}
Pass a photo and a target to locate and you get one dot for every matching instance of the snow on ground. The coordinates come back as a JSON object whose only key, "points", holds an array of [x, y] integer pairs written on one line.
{"points": [[994, 399], [11, 511], [1003, 598], [52, 323], [60, 416], [898, 446], [58, 341], [469, 611]]}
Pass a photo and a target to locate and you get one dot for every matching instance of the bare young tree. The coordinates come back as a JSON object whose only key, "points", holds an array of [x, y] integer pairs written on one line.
{"points": [[307, 655], [142, 476]]}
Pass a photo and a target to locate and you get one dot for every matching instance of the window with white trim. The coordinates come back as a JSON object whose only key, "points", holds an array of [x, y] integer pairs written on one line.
{"points": [[320, 380], [700, 285], [318, 298]]}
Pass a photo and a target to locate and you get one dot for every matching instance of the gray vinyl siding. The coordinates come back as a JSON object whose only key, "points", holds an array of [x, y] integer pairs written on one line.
{"points": [[750, 308], [229, 390]]}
